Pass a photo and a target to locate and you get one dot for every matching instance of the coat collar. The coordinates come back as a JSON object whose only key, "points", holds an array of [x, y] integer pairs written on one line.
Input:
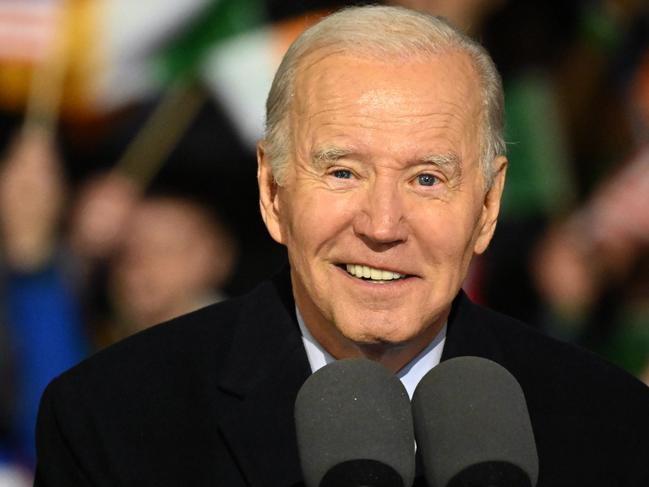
{"points": [[467, 334]]}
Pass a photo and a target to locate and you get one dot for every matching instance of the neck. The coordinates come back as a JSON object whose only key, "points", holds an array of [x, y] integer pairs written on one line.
{"points": [[393, 356]]}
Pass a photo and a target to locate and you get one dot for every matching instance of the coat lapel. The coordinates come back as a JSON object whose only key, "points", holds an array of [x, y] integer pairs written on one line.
{"points": [[258, 386]]}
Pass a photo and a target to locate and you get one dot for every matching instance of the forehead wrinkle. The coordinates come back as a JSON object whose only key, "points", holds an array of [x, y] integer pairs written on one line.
{"points": [[454, 120], [325, 115], [381, 99]]}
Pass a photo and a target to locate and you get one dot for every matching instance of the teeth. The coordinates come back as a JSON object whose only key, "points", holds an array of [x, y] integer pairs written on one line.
{"points": [[363, 271]]}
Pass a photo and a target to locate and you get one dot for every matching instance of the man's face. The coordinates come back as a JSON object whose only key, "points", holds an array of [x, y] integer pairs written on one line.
{"points": [[383, 182]]}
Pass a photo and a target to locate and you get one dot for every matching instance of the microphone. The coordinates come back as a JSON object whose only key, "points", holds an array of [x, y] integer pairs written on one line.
{"points": [[472, 426], [354, 427]]}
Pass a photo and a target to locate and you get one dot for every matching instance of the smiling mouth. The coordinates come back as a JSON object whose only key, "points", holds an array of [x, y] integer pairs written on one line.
{"points": [[367, 273]]}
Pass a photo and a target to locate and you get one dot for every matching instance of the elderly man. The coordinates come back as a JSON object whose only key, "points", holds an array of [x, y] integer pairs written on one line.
{"points": [[381, 171]]}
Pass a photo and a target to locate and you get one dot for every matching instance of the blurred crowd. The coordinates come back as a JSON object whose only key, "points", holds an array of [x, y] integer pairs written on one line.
{"points": [[128, 201]]}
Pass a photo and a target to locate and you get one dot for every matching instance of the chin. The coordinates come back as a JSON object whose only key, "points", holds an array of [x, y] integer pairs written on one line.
{"points": [[390, 335]]}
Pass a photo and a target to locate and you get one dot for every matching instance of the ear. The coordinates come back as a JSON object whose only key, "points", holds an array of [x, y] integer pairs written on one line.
{"points": [[491, 206], [268, 195]]}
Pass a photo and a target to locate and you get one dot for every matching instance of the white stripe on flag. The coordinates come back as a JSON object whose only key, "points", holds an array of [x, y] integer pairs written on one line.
{"points": [[239, 73]]}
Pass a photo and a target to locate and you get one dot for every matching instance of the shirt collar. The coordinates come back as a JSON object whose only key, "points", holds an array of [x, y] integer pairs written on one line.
{"points": [[409, 375]]}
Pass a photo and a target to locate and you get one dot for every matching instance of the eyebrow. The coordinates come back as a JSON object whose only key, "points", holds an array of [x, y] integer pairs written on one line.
{"points": [[448, 162], [328, 156]]}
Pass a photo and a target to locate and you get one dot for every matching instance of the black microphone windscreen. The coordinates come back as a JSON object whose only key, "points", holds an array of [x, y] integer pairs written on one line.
{"points": [[354, 427], [472, 426]]}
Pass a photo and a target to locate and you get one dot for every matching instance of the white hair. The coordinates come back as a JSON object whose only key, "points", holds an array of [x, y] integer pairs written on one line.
{"points": [[379, 32]]}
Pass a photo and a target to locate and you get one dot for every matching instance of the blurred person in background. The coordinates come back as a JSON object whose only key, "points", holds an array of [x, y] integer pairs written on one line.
{"points": [[527, 40], [602, 250], [593, 267], [14, 471], [175, 257], [166, 255], [152, 256], [41, 308], [594, 81]]}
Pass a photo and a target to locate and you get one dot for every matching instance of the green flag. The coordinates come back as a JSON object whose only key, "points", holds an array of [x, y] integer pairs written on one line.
{"points": [[183, 54]]}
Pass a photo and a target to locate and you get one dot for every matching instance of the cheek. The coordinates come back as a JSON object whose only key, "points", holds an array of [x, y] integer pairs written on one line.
{"points": [[447, 232], [314, 218]]}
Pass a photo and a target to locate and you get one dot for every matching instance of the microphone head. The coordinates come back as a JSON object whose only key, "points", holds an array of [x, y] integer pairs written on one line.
{"points": [[472, 426], [354, 427]]}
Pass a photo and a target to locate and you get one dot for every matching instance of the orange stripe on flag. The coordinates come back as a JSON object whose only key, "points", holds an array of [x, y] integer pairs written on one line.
{"points": [[287, 31]]}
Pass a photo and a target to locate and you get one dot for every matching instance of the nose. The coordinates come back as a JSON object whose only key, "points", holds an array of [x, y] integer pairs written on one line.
{"points": [[381, 217]]}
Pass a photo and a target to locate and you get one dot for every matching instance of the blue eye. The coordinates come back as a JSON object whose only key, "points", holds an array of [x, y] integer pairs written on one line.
{"points": [[342, 174], [426, 179]]}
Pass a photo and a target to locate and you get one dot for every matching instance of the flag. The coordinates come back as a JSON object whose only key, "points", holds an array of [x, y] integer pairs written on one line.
{"points": [[27, 30], [240, 70], [111, 48]]}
